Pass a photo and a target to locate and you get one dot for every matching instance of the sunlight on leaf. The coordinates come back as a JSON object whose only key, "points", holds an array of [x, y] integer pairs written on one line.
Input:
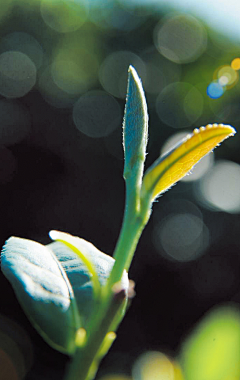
{"points": [[43, 290], [177, 162], [212, 351], [54, 285], [76, 245], [78, 273]]}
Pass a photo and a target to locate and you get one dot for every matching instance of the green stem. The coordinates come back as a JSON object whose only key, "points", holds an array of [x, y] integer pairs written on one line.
{"points": [[136, 215], [85, 359]]}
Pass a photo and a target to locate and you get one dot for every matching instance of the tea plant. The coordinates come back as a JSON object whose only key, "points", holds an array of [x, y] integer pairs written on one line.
{"points": [[75, 295]]}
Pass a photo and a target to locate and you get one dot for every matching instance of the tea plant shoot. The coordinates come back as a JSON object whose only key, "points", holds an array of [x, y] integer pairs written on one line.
{"points": [[74, 294]]}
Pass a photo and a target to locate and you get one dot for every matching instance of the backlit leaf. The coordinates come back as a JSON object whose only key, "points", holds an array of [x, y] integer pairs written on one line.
{"points": [[54, 286], [176, 163], [212, 351], [43, 290], [78, 273]]}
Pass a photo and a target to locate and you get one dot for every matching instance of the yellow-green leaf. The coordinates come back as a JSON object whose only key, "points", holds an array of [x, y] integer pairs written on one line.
{"points": [[176, 163], [212, 351]]}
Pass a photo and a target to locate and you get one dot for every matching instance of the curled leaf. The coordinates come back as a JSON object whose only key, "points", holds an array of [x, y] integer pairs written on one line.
{"points": [[176, 163]]}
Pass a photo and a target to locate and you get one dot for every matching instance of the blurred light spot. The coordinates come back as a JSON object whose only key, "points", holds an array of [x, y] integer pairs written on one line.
{"points": [[181, 38], [64, 16], [153, 365], [159, 71], [7, 165], [16, 352], [97, 114], [120, 19], [114, 70], [100, 11], [219, 188], [74, 71], [176, 206], [8, 370], [155, 80], [52, 93], [113, 15], [5, 9], [64, 76], [230, 113], [179, 105], [212, 350], [193, 110], [200, 168], [178, 375], [215, 90], [10, 347], [15, 122], [138, 7], [17, 74], [25, 43], [223, 80], [223, 108], [224, 77], [235, 64], [229, 73], [183, 237]]}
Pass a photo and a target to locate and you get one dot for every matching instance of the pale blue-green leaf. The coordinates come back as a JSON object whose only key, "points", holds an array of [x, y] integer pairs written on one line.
{"points": [[43, 290], [79, 276], [135, 127], [54, 286]]}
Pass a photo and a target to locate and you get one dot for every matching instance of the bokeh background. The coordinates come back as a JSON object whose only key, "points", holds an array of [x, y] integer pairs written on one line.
{"points": [[63, 78]]}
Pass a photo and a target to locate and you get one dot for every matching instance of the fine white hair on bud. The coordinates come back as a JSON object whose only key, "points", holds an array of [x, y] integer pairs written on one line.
{"points": [[135, 127]]}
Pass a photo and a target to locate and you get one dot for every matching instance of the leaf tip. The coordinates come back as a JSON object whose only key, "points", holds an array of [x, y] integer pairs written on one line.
{"points": [[135, 125], [178, 161], [135, 81], [230, 131], [131, 69], [54, 235], [133, 72]]}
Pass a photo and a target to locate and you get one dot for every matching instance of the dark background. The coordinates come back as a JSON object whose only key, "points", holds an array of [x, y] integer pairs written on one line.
{"points": [[54, 176]]}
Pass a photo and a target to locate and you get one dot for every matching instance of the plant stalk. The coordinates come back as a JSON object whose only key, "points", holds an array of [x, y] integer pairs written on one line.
{"points": [[83, 365], [136, 216]]}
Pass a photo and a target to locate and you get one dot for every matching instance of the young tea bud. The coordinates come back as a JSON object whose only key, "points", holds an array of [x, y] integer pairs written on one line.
{"points": [[135, 127]]}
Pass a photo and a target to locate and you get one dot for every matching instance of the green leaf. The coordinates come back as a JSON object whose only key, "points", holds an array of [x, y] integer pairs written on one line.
{"points": [[73, 265], [82, 249], [54, 286], [176, 163], [135, 127], [43, 290], [212, 352]]}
